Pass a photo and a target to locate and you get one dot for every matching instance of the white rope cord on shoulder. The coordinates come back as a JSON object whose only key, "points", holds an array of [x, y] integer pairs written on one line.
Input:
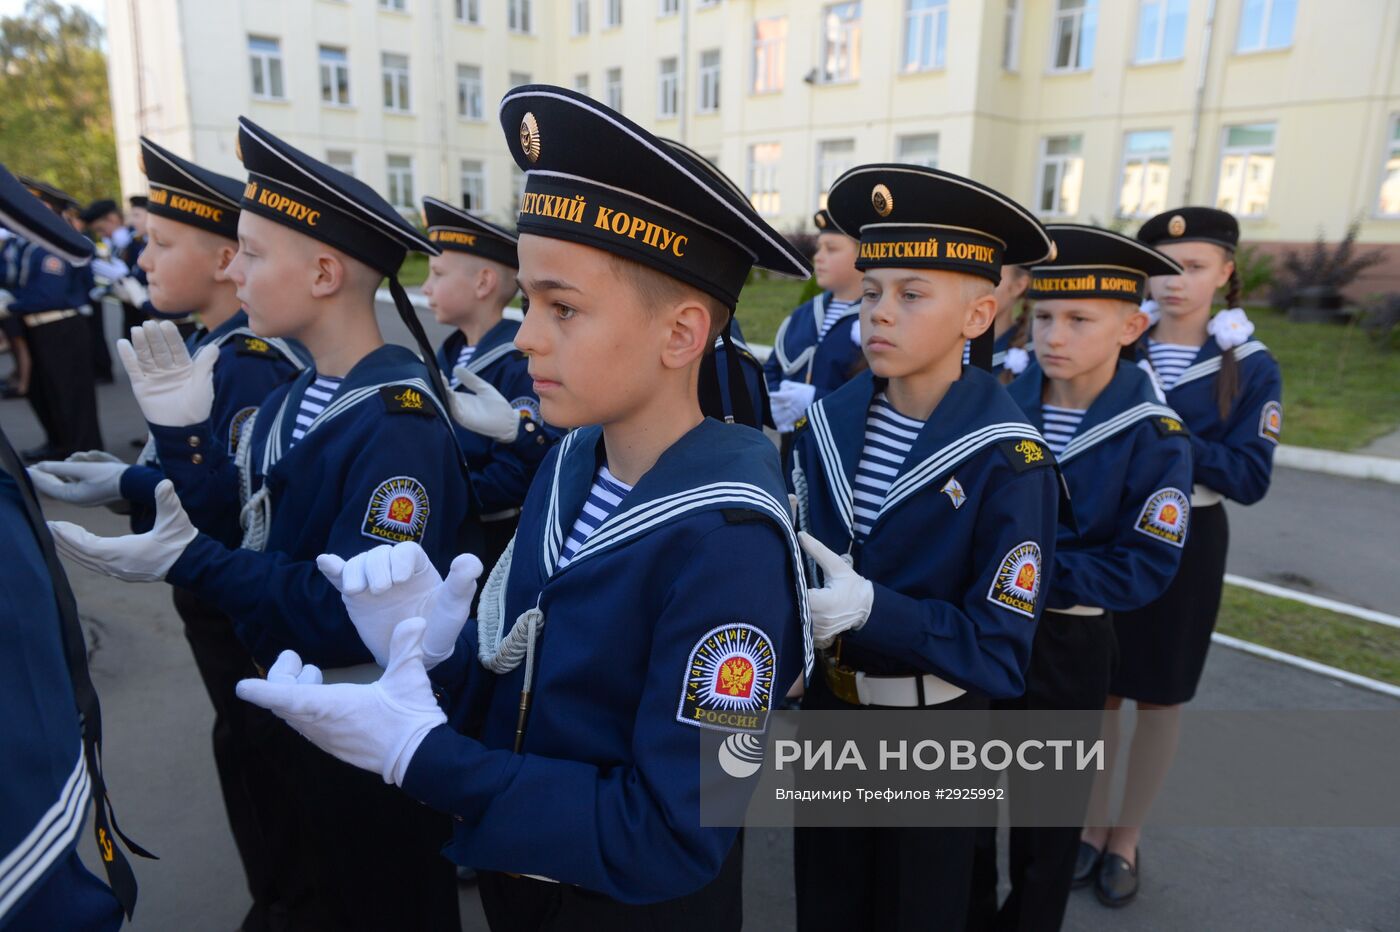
{"points": [[256, 511], [503, 654]]}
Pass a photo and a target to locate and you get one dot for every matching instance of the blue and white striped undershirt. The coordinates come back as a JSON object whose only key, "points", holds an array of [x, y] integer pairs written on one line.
{"points": [[888, 437], [318, 394], [835, 310], [1060, 426], [464, 356], [607, 493], [1169, 360]]}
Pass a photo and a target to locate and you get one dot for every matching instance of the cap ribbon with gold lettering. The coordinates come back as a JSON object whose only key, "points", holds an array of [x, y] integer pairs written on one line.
{"points": [[1092, 262], [188, 193]]}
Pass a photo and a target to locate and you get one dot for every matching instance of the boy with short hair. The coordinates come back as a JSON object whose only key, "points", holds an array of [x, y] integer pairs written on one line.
{"points": [[1126, 459], [929, 479], [611, 627]]}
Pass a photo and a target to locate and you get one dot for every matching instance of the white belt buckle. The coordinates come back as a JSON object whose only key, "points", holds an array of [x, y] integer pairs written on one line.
{"points": [[903, 691]]}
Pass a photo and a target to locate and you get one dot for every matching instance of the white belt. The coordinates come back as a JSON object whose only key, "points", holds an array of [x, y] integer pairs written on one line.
{"points": [[1087, 611], [360, 674], [1202, 496], [47, 317], [903, 691]]}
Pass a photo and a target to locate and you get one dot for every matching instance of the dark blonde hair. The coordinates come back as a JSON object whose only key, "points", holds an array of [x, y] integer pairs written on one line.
{"points": [[657, 289]]}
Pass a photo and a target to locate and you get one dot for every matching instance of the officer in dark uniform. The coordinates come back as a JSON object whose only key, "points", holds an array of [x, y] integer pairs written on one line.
{"points": [[52, 728], [103, 221], [49, 297]]}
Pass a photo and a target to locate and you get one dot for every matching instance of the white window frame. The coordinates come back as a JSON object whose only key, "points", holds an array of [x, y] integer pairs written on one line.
{"points": [[471, 94], [396, 79], [769, 57], [578, 17], [668, 88], [520, 17], [1392, 151], [467, 11], [1011, 38], [581, 83], [516, 79], [708, 75], [1249, 152], [517, 188], [612, 88], [668, 7], [612, 14], [1262, 40], [1145, 158], [266, 63], [916, 58], [468, 178], [1063, 161], [833, 157], [331, 70], [1076, 17], [394, 6], [399, 195], [331, 160], [1164, 12], [901, 141], [840, 44], [765, 194]]}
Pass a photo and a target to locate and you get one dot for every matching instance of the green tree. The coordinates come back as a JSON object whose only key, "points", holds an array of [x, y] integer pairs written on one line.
{"points": [[55, 115]]}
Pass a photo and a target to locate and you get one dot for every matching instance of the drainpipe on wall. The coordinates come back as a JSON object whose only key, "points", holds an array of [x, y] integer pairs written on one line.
{"points": [[1201, 75], [440, 69], [683, 72]]}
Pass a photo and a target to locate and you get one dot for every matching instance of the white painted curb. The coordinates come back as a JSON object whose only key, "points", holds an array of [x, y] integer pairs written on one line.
{"points": [[1317, 601], [1312, 666]]}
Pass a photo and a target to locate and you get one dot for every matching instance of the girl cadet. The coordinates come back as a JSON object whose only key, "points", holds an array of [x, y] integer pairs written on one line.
{"points": [[1011, 331], [1127, 462], [1228, 391]]}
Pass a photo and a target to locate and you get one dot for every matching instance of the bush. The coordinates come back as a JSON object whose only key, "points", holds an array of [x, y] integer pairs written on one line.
{"points": [[1255, 269], [1381, 321], [803, 241], [1321, 267]]}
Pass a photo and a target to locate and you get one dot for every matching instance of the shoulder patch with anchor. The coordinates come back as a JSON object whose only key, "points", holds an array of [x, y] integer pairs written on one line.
{"points": [[405, 399], [1025, 453], [254, 346], [1169, 426], [728, 680]]}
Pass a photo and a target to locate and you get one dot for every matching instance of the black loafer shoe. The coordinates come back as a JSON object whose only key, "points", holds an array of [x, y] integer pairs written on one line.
{"points": [[1117, 881], [1086, 865]]}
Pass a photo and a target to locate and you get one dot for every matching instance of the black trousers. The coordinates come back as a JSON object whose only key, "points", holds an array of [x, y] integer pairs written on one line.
{"points": [[522, 904], [916, 878], [62, 391], [1072, 661], [101, 355], [250, 746]]}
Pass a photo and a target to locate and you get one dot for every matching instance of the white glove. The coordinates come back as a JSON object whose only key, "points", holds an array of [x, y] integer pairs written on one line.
{"points": [[79, 483], [789, 401], [172, 389], [134, 557], [383, 586], [485, 411], [131, 291], [843, 604], [374, 726], [95, 456]]}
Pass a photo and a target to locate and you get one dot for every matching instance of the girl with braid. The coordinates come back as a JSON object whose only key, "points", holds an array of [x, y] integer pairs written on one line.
{"points": [[1228, 390]]}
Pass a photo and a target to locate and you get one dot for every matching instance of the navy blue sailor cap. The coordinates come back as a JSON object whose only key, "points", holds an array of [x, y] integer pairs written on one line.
{"points": [[1092, 262], [183, 191], [452, 229], [24, 214], [594, 177], [1192, 225]]}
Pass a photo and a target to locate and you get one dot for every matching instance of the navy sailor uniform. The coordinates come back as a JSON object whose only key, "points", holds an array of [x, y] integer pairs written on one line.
{"points": [[803, 353]]}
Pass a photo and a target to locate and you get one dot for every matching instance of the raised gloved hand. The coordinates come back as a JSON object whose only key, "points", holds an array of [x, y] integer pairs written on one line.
{"points": [[375, 726], [144, 557], [172, 389], [94, 456], [131, 291], [789, 401], [78, 482], [485, 411], [383, 586], [844, 603]]}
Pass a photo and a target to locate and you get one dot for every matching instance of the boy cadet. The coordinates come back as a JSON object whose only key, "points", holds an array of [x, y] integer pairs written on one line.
{"points": [[51, 731], [357, 450], [468, 287], [817, 347], [193, 236], [1127, 461], [919, 450], [653, 589]]}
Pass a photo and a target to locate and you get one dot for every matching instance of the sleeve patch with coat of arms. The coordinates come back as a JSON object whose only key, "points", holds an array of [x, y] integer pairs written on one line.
{"points": [[1271, 422], [397, 512], [1016, 585], [1165, 516], [728, 682]]}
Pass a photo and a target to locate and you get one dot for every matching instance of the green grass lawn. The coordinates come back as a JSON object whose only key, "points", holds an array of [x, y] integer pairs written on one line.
{"points": [[1341, 641]]}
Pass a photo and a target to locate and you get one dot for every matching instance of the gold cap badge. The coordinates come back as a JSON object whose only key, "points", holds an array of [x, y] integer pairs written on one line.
{"points": [[1176, 226], [238, 148], [821, 221], [1054, 251], [530, 138], [141, 160], [882, 200]]}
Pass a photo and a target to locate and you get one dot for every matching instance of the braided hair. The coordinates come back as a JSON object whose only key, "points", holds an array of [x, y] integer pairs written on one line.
{"points": [[1227, 384]]}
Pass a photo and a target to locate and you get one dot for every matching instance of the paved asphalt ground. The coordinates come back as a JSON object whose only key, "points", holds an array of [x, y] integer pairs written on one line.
{"points": [[1335, 537]]}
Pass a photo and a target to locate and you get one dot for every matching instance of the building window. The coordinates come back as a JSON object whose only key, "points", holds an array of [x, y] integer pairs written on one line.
{"points": [[841, 42], [395, 68], [469, 96], [612, 88], [612, 14], [265, 57], [921, 149], [1146, 169], [667, 89], [400, 182], [1061, 176], [580, 20], [769, 54], [763, 178], [1388, 205], [1011, 36], [520, 78], [709, 82], [925, 34], [394, 6], [581, 83], [335, 76], [468, 11], [473, 178], [703, 4], [834, 156], [1246, 170], [1266, 24], [668, 7], [517, 188], [518, 16], [342, 160], [1161, 31], [1076, 22]]}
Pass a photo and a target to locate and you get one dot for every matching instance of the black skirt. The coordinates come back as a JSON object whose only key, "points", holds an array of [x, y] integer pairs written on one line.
{"points": [[1162, 647]]}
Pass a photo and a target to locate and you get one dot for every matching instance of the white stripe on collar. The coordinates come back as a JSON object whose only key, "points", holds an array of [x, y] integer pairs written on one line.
{"points": [[835, 471], [53, 833], [480, 361], [1202, 369], [1114, 425], [951, 455], [278, 342]]}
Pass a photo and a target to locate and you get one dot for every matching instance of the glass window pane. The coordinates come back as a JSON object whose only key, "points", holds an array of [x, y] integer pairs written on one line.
{"points": [[1390, 187], [1174, 32], [1149, 21], [1281, 17], [1251, 25], [1256, 134]]}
